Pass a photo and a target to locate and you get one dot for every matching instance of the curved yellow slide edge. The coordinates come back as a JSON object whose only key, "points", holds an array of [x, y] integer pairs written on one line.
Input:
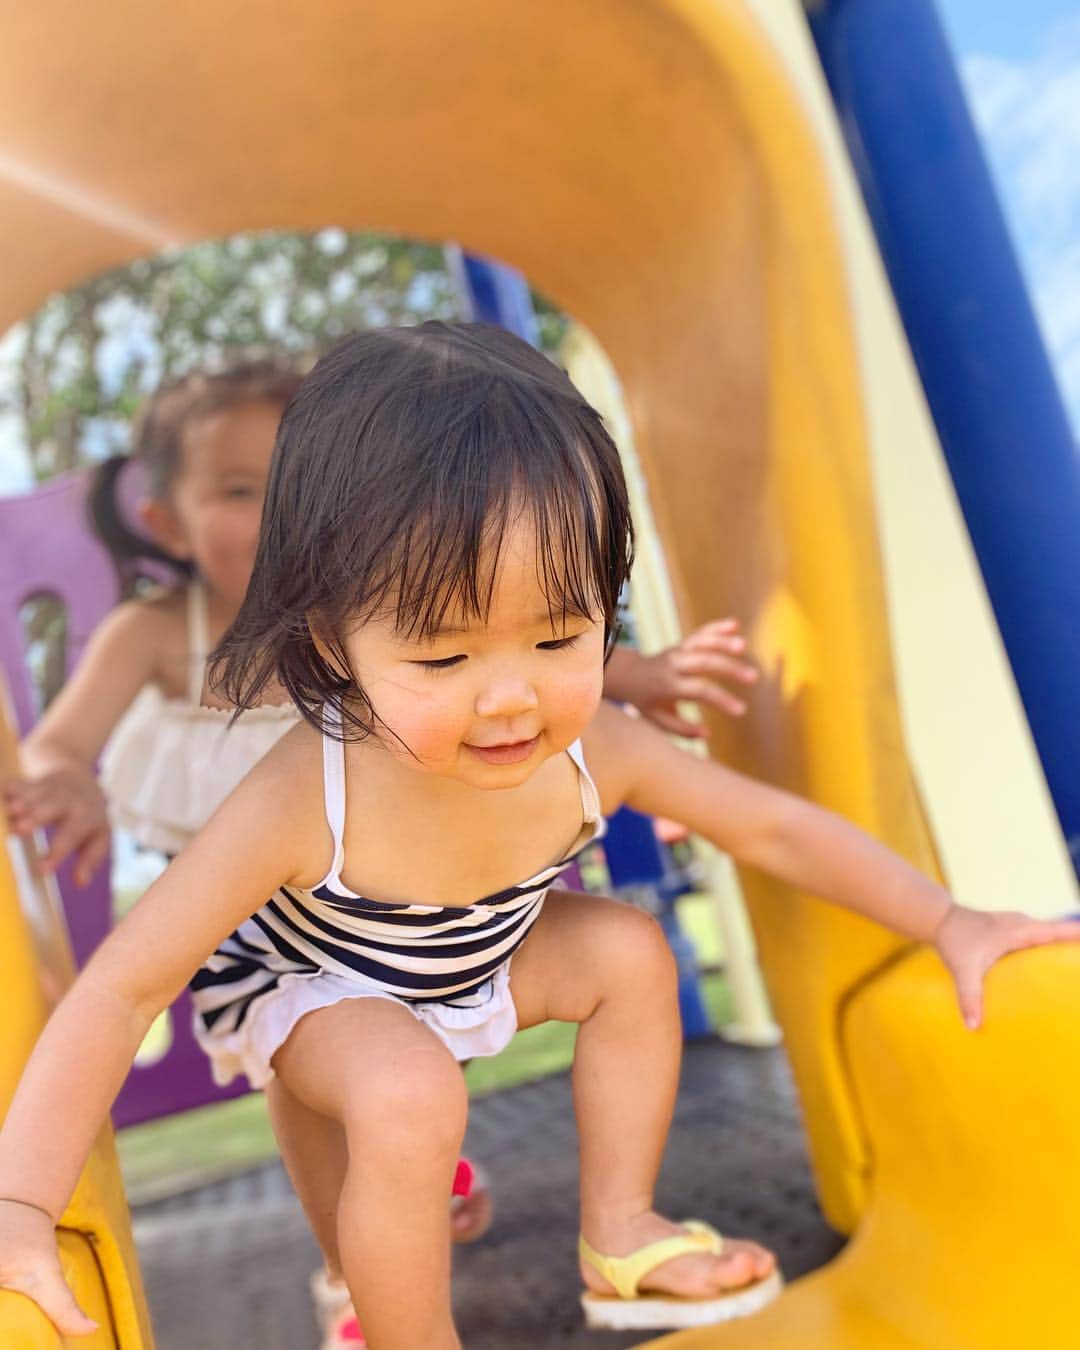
{"points": [[95, 1234], [969, 1240]]}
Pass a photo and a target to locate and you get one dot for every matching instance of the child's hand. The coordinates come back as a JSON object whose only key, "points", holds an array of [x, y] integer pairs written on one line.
{"points": [[30, 1265], [71, 801], [969, 941], [692, 671]]}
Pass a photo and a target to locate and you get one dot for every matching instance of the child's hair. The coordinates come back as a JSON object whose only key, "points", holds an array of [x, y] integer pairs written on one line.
{"points": [[399, 466], [157, 445]]}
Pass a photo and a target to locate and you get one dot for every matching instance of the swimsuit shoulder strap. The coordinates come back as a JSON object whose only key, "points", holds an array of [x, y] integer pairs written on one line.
{"points": [[590, 798], [334, 785]]}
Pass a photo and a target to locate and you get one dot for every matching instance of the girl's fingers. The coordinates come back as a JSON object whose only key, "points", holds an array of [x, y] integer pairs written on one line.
{"points": [[49, 1290], [969, 983], [56, 1301], [709, 663], [1061, 930], [705, 691], [734, 643], [676, 725], [69, 836], [90, 857]]}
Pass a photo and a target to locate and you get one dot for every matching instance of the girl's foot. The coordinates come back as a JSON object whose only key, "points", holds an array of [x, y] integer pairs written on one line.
{"points": [[343, 1333], [334, 1310], [471, 1206], [699, 1275]]}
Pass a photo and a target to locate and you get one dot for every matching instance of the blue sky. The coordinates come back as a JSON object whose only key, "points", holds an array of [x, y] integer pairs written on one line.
{"points": [[1020, 64], [1011, 28]]}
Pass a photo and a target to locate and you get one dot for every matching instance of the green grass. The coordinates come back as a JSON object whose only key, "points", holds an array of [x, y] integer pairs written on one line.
{"points": [[170, 1155]]}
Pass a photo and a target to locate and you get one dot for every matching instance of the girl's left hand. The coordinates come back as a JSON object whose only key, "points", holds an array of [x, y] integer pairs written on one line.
{"points": [[696, 671], [970, 941]]}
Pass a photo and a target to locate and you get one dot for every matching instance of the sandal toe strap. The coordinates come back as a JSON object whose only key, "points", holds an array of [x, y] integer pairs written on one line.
{"points": [[625, 1273]]}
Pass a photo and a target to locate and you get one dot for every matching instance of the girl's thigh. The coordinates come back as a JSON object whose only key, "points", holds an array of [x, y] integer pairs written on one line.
{"points": [[370, 1062], [583, 949]]}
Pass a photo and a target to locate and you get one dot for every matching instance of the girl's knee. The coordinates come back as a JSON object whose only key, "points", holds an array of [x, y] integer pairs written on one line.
{"points": [[418, 1100], [640, 954]]}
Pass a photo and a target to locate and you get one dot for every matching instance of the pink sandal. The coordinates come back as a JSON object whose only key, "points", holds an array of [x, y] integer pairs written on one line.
{"points": [[334, 1311], [471, 1184]]}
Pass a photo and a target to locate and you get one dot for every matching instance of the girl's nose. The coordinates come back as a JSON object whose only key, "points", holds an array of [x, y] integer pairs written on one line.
{"points": [[507, 697]]}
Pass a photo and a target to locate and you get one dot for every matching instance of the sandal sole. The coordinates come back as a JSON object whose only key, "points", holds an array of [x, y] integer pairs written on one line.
{"points": [[658, 1313]]}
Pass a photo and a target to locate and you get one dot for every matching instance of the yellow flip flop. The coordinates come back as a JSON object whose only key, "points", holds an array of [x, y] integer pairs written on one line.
{"points": [[627, 1310]]}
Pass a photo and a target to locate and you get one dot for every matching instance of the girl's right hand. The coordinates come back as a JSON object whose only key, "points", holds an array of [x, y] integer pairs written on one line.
{"points": [[71, 802], [30, 1265]]}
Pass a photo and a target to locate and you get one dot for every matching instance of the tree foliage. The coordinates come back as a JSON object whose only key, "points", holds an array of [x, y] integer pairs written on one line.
{"points": [[78, 368]]}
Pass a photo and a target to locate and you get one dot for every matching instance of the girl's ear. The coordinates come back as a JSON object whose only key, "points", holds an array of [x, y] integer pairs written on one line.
{"points": [[161, 524], [328, 648]]}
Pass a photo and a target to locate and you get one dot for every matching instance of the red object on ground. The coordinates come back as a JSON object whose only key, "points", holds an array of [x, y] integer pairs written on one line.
{"points": [[463, 1179]]}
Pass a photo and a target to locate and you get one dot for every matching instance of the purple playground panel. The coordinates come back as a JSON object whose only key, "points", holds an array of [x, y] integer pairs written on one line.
{"points": [[48, 548]]}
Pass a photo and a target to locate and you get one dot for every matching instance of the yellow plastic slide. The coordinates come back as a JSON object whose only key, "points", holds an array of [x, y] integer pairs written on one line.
{"points": [[668, 172]]}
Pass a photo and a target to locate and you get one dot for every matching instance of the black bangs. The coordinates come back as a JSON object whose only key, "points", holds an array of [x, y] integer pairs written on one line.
{"points": [[501, 463], [400, 466]]}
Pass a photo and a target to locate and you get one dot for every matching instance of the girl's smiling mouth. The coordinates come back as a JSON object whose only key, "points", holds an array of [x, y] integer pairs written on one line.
{"points": [[509, 752]]}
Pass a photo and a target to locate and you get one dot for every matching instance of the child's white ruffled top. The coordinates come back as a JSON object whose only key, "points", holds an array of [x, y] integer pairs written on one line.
{"points": [[171, 762]]}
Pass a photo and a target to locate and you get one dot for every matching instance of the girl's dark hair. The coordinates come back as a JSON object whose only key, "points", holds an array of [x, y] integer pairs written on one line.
{"points": [[157, 445], [399, 466]]}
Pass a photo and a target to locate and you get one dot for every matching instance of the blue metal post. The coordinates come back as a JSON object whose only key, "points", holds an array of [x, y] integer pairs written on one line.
{"points": [[493, 293], [981, 357]]}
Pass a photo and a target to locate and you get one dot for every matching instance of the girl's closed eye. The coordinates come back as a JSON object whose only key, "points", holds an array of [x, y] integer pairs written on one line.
{"points": [[442, 663], [559, 644]]}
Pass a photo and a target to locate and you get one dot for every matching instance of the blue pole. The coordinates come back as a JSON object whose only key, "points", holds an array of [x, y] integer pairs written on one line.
{"points": [[493, 293], [975, 340]]}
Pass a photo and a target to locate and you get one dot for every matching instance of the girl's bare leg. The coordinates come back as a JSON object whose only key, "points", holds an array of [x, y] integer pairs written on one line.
{"points": [[314, 1152], [399, 1098], [621, 987]]}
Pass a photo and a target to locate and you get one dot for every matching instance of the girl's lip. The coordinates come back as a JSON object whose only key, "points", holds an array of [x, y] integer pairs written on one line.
{"points": [[508, 753]]}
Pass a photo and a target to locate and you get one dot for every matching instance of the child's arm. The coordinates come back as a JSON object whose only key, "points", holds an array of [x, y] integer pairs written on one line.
{"points": [[690, 672], [257, 841], [59, 787], [807, 847]]}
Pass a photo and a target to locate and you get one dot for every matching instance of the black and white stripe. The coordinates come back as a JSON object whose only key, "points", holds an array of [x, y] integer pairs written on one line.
{"points": [[420, 953]]}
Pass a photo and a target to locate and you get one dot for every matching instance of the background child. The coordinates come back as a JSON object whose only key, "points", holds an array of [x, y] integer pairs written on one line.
{"points": [[203, 444], [445, 537]]}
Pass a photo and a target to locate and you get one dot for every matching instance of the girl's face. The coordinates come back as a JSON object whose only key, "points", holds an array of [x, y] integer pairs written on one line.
{"points": [[215, 503], [485, 703]]}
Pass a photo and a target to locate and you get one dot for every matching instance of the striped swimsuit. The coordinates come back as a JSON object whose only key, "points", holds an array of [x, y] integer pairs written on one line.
{"points": [[306, 949]]}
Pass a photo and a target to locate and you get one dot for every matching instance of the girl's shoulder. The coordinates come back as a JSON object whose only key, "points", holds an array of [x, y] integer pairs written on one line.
{"points": [[142, 631], [161, 613], [290, 778], [153, 627], [612, 744]]}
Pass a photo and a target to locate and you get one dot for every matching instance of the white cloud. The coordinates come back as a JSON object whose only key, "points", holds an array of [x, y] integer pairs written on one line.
{"points": [[1029, 116]]}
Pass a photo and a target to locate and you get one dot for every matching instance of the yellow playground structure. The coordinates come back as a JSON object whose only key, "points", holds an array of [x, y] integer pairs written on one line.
{"points": [[672, 174]]}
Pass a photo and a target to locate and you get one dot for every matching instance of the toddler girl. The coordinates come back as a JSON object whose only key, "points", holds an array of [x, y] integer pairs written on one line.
{"points": [[203, 444]]}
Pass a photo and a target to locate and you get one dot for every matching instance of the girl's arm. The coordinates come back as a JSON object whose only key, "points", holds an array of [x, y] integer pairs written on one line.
{"points": [[258, 840], [59, 787], [807, 847]]}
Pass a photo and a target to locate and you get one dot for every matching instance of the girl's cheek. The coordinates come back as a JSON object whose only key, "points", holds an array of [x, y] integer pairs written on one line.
{"points": [[578, 696]]}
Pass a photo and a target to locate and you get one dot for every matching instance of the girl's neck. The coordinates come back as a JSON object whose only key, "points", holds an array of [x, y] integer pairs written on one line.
{"points": [[220, 611]]}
